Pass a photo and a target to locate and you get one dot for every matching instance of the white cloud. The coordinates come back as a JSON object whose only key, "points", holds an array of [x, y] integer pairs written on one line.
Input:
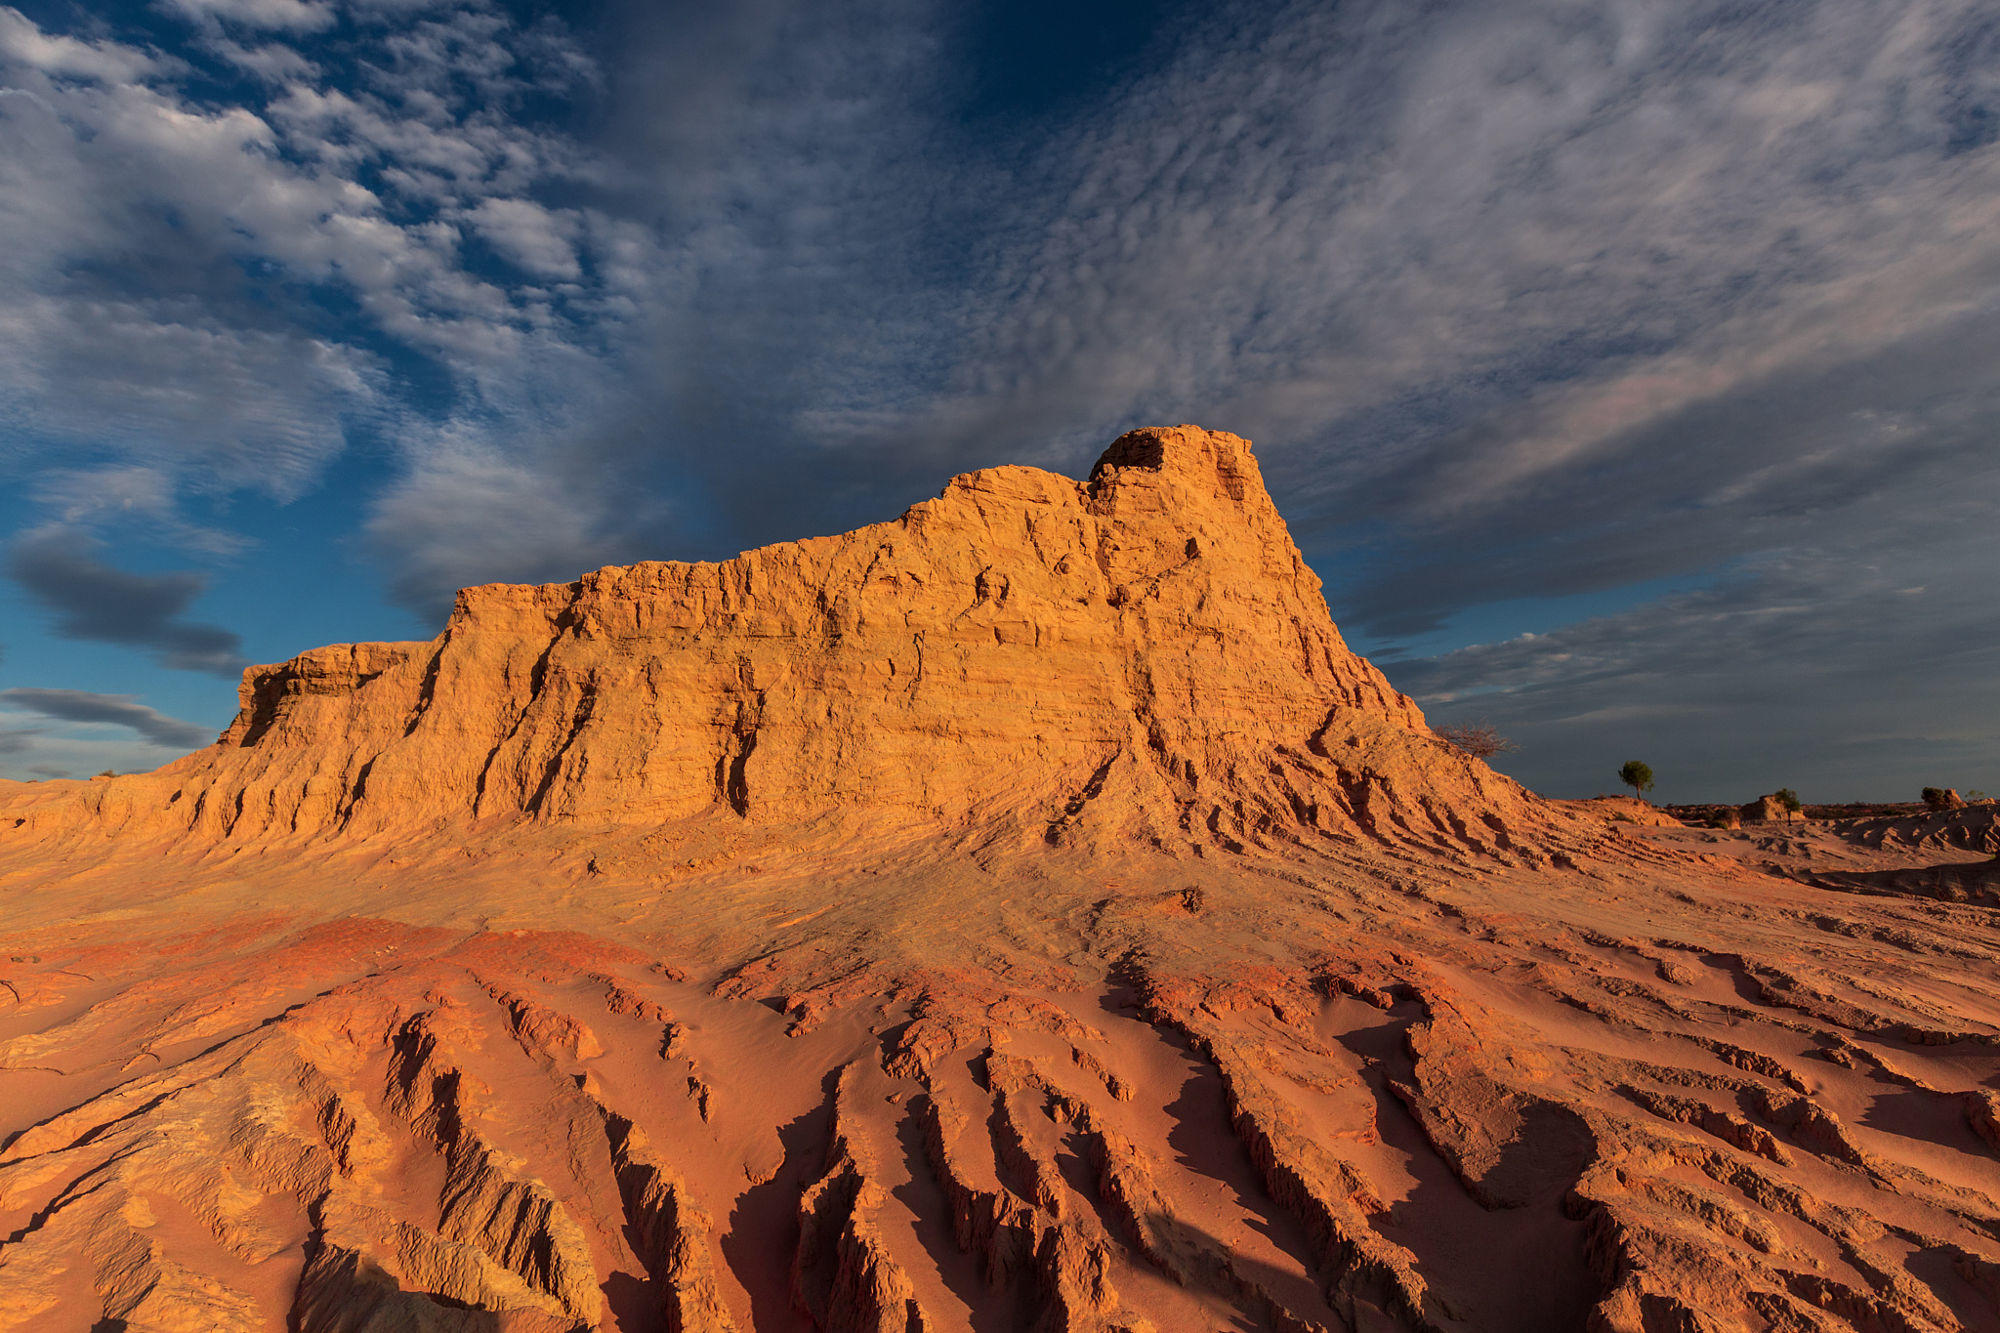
{"points": [[340, 129], [1594, 215], [468, 513], [23, 44], [128, 494], [217, 407], [272, 62], [131, 211], [294, 16], [539, 240]]}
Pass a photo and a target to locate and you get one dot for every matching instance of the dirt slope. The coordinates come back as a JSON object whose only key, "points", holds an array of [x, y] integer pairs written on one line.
{"points": [[1023, 915]]}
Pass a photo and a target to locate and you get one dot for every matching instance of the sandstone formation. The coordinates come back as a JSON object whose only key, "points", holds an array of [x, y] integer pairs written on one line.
{"points": [[1026, 914], [1767, 810], [1140, 655], [1972, 828]]}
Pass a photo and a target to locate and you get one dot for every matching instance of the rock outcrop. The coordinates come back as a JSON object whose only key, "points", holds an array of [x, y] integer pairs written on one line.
{"points": [[1140, 654], [1767, 810], [1973, 828], [1938, 799]]}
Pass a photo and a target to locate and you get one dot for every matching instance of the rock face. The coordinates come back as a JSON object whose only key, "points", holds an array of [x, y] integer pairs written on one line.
{"points": [[1141, 654], [1025, 915], [1767, 810], [1943, 798]]}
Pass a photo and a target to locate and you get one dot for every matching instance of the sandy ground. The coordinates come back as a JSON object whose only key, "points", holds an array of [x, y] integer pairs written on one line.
{"points": [[567, 1080]]}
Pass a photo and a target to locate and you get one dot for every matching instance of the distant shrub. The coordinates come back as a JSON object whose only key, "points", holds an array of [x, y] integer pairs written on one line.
{"points": [[108, 773], [1478, 739]]}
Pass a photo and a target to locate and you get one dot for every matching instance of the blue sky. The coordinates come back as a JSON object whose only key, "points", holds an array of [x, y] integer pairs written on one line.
{"points": [[1628, 370]]}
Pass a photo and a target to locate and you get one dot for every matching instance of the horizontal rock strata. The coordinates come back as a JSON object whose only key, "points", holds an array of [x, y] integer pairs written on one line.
{"points": [[1143, 654]]}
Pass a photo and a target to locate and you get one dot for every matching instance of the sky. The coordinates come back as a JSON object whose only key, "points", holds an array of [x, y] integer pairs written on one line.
{"points": [[1629, 370]]}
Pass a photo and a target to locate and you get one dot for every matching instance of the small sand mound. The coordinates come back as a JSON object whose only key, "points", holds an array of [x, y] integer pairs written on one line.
{"points": [[1626, 810]]}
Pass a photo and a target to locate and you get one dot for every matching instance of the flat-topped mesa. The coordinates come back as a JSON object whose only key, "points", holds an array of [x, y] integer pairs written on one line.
{"points": [[1144, 653]]}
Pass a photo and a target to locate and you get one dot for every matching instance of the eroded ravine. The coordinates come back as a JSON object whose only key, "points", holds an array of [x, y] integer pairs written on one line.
{"points": [[1476, 1123]]}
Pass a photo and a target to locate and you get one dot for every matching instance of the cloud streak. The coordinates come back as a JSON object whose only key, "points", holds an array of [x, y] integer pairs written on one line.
{"points": [[118, 710], [1777, 676], [99, 603]]}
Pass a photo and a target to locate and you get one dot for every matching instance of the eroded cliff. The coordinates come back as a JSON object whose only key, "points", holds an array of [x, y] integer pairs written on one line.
{"points": [[1140, 654]]}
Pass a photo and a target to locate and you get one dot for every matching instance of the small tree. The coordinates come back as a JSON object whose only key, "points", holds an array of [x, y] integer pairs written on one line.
{"points": [[1790, 800], [1637, 776], [1478, 739]]}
